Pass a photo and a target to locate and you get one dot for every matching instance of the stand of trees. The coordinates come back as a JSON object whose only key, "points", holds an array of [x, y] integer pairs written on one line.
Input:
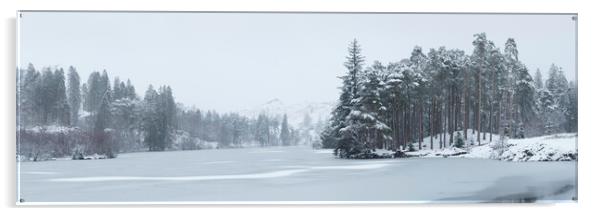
{"points": [[57, 119], [444, 91]]}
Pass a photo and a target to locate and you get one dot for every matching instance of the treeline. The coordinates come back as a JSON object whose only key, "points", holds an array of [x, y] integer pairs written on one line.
{"points": [[443, 91], [58, 118]]}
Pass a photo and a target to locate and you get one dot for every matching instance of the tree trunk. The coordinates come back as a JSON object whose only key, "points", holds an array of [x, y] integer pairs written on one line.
{"points": [[402, 129], [431, 121], [409, 126], [466, 106], [490, 121], [479, 106], [440, 124], [420, 118], [450, 113]]}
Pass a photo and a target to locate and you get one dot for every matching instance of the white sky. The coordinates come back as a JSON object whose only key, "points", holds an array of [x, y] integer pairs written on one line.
{"points": [[234, 61]]}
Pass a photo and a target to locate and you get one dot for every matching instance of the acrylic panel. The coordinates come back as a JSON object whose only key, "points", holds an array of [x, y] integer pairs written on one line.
{"points": [[295, 108]]}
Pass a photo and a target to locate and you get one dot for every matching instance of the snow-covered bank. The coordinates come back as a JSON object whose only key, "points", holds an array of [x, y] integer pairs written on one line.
{"points": [[556, 147]]}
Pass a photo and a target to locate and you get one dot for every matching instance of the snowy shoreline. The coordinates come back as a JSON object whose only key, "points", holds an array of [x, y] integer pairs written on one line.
{"points": [[556, 147]]}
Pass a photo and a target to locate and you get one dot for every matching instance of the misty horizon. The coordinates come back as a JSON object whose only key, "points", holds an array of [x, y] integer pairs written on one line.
{"points": [[254, 58]]}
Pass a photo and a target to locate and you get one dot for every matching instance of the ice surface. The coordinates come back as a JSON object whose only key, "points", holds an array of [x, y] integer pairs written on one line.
{"points": [[299, 174]]}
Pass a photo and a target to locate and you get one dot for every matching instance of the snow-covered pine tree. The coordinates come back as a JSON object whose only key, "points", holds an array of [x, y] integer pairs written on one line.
{"points": [[367, 111], [61, 109], [524, 98], [92, 92], [433, 74], [394, 100], [74, 95], [118, 92], [538, 80], [331, 137], [285, 136], [262, 129], [30, 83], [166, 111], [151, 121], [105, 85], [479, 58], [554, 100], [571, 112], [102, 134], [513, 65], [48, 96], [418, 64], [130, 90], [459, 140]]}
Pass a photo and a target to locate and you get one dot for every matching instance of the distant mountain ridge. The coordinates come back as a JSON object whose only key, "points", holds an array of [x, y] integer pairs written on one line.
{"points": [[317, 111]]}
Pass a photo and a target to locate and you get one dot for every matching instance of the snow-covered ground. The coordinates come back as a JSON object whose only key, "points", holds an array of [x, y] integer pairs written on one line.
{"points": [[292, 174], [557, 147]]}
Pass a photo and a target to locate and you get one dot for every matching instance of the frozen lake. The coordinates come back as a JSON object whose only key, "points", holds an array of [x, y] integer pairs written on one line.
{"points": [[292, 174]]}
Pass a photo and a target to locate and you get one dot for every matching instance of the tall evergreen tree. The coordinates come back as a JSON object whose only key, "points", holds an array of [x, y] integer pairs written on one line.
{"points": [[93, 92], [331, 137], [524, 96], [118, 92], [538, 80], [74, 95], [364, 119], [130, 90], [285, 137], [102, 132], [150, 120], [30, 96], [62, 109], [481, 45], [571, 113]]}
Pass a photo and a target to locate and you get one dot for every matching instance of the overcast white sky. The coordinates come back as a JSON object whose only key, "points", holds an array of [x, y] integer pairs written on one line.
{"points": [[235, 61]]}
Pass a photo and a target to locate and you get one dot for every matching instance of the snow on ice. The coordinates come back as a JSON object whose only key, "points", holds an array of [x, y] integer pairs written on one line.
{"points": [[300, 174]]}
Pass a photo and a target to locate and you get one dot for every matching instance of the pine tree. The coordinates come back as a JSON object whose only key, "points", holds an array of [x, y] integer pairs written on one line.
{"points": [[524, 96], [118, 92], [62, 109], [93, 91], [571, 113], [367, 110], [539, 88], [130, 90], [459, 141], [150, 121], [332, 137], [555, 100], [102, 132], [394, 100], [30, 95], [285, 137], [48, 95], [105, 85], [481, 47], [126, 115], [548, 112], [418, 65], [74, 95], [538, 80]]}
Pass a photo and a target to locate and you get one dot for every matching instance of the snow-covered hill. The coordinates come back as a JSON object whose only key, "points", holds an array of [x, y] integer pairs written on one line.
{"points": [[556, 147], [308, 118], [317, 111]]}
